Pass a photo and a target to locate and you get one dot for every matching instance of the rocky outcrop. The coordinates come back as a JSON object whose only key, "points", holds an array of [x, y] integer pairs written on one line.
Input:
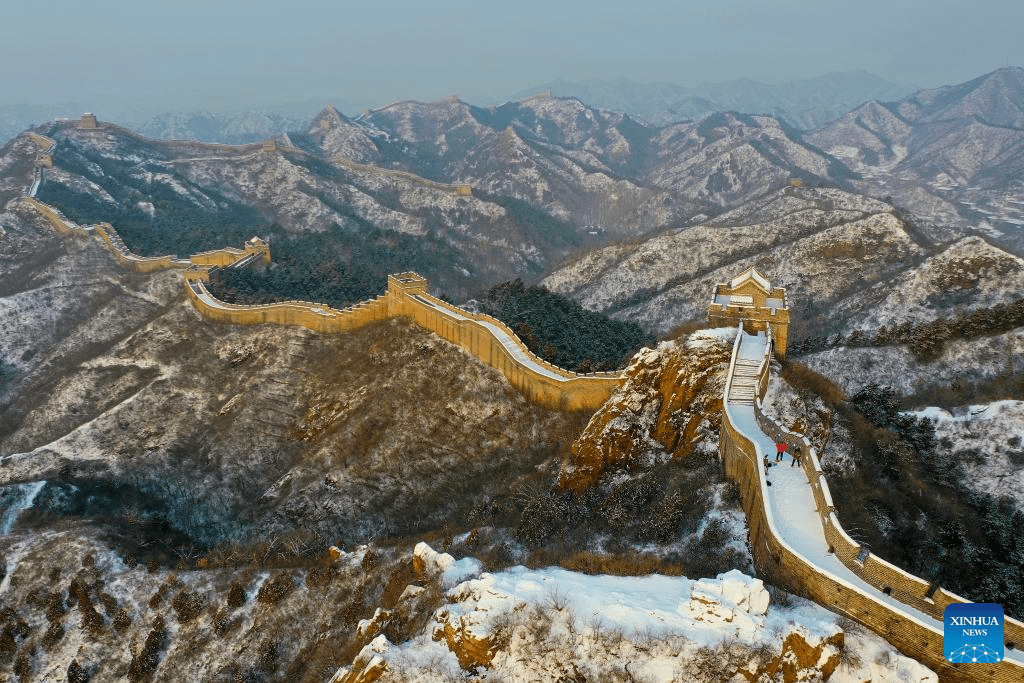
{"points": [[551, 624], [803, 658], [369, 664], [462, 637], [670, 394]]}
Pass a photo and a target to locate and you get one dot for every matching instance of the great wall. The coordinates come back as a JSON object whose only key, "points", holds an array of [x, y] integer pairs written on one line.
{"points": [[483, 336], [795, 537]]}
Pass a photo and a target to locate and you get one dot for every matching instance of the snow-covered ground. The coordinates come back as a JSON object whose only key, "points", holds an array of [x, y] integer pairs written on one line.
{"points": [[989, 441], [551, 624], [963, 359]]}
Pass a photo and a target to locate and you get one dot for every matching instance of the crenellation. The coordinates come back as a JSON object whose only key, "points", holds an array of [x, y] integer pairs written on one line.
{"points": [[776, 561]]}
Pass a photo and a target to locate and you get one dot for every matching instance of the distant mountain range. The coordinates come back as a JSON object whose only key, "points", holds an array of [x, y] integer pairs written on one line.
{"points": [[803, 104], [549, 176], [552, 176], [952, 155], [237, 129]]}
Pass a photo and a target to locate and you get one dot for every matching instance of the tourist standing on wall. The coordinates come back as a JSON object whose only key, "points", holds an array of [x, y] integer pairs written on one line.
{"points": [[796, 457], [780, 449], [766, 465]]}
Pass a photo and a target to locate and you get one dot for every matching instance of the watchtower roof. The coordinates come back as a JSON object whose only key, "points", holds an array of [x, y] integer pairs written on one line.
{"points": [[751, 274]]}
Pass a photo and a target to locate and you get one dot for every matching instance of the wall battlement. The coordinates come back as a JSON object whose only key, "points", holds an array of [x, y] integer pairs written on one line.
{"points": [[776, 560]]}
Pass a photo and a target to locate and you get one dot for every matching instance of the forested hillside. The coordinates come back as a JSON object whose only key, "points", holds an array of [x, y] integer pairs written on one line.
{"points": [[561, 331]]}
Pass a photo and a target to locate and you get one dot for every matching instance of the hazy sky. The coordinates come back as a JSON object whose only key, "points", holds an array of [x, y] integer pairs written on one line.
{"points": [[232, 54]]}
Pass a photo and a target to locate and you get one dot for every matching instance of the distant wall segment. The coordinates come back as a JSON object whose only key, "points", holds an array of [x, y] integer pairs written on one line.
{"points": [[484, 337]]}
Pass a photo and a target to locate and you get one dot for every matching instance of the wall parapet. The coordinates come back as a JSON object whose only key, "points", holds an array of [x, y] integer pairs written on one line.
{"points": [[773, 556], [58, 220], [481, 336], [483, 317], [126, 257], [316, 317]]}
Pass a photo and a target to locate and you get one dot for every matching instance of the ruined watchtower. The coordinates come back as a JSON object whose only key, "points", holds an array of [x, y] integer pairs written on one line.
{"points": [[749, 298]]}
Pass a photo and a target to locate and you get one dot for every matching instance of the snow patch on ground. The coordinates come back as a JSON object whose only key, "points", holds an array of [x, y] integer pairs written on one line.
{"points": [[710, 337], [549, 623]]}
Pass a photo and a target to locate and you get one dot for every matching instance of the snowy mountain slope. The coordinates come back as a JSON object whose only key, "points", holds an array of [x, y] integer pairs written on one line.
{"points": [[993, 98], [336, 134], [964, 361], [590, 166], [870, 135], [821, 245], [967, 275], [952, 155], [848, 263], [727, 159], [987, 440], [477, 240]]}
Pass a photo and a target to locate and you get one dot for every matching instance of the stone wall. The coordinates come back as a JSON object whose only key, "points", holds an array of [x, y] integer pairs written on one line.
{"points": [[146, 264], [570, 391], [780, 563], [61, 224], [128, 259], [316, 317], [228, 256], [407, 297]]}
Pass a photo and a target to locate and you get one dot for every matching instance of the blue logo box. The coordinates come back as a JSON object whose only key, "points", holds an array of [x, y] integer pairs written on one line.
{"points": [[973, 633]]}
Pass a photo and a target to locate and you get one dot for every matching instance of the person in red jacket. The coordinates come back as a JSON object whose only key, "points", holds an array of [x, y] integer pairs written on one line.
{"points": [[781, 448]]}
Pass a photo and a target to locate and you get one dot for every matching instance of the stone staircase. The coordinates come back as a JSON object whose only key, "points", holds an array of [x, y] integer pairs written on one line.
{"points": [[744, 382]]}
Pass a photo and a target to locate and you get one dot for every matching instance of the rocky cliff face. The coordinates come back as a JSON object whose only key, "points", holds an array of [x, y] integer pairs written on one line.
{"points": [[669, 404]]}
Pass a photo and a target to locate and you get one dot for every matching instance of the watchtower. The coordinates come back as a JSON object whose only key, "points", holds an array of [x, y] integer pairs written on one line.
{"points": [[407, 283], [88, 120], [749, 298], [269, 146], [255, 245]]}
